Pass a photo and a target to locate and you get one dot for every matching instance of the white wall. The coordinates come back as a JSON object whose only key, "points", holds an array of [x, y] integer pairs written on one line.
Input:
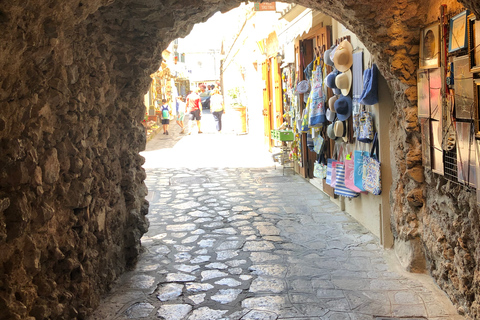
{"points": [[371, 211]]}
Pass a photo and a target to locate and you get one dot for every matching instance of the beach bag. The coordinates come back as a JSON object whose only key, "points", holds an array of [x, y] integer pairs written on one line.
{"points": [[358, 156], [340, 188], [369, 94], [337, 153], [349, 173], [365, 129], [372, 181]]}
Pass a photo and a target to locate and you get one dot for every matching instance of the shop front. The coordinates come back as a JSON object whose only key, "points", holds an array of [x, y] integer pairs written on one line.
{"points": [[335, 127]]}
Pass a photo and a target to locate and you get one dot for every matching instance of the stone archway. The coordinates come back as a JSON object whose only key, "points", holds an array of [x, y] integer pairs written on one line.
{"points": [[72, 206]]}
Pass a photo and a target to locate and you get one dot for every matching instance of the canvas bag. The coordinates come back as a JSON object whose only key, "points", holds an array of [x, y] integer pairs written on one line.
{"points": [[320, 167], [365, 129], [350, 172], [358, 156], [340, 188], [372, 176], [369, 94], [338, 152]]}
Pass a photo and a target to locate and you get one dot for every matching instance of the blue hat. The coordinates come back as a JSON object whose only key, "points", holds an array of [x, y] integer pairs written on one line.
{"points": [[343, 108], [330, 79]]}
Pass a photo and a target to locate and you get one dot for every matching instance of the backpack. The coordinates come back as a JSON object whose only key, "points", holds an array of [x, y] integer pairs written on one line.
{"points": [[165, 113]]}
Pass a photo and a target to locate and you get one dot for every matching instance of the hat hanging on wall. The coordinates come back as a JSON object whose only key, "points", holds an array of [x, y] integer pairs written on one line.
{"points": [[331, 114], [326, 57], [340, 130], [343, 58], [331, 102], [343, 108], [344, 82], [330, 81], [330, 132]]}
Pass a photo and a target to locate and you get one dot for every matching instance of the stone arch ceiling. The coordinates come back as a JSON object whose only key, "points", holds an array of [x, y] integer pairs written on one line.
{"points": [[72, 206]]}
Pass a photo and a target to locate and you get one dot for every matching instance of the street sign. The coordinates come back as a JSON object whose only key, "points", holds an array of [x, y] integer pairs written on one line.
{"points": [[265, 6]]}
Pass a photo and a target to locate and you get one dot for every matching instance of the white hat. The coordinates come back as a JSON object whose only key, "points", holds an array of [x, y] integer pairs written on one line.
{"points": [[344, 82]]}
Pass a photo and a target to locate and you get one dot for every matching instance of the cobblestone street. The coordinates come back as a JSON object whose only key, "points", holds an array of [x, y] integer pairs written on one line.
{"points": [[231, 237]]}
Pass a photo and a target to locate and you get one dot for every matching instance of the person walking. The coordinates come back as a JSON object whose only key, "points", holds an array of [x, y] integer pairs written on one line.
{"points": [[165, 109], [217, 108], [180, 109], [194, 109], [205, 97]]}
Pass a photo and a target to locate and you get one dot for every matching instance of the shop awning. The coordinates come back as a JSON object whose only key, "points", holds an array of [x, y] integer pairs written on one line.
{"points": [[300, 25]]}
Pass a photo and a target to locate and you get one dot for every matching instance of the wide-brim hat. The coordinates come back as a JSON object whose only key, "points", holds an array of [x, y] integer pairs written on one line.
{"points": [[326, 57], [343, 108], [343, 58], [303, 86], [330, 79], [330, 115], [343, 81], [340, 129], [330, 132], [331, 102]]}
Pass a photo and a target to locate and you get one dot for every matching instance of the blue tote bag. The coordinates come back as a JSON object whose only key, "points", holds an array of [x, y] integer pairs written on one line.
{"points": [[358, 167]]}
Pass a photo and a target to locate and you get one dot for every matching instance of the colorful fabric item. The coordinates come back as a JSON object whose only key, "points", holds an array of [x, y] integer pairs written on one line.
{"points": [[317, 100], [372, 179], [329, 171], [319, 170], [358, 168], [365, 129], [340, 188], [304, 127], [350, 175], [318, 144], [369, 94], [333, 182]]}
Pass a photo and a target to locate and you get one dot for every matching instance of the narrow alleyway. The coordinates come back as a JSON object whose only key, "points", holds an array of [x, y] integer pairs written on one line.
{"points": [[231, 237]]}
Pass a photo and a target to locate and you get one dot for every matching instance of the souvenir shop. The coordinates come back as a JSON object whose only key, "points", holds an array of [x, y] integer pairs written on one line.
{"points": [[337, 106]]}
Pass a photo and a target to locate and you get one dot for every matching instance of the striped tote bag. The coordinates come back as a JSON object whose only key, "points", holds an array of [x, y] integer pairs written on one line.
{"points": [[340, 188]]}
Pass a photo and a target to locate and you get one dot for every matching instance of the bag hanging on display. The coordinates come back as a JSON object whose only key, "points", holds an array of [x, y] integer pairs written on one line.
{"points": [[338, 153], [320, 167], [366, 129], [369, 94], [350, 173], [329, 171], [340, 188], [358, 156], [318, 144], [372, 178]]}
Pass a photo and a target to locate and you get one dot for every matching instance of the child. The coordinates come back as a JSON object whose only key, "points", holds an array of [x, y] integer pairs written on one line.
{"points": [[165, 109], [181, 106]]}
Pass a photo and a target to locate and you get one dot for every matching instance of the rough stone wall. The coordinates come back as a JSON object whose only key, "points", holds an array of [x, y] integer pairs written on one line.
{"points": [[72, 206]]}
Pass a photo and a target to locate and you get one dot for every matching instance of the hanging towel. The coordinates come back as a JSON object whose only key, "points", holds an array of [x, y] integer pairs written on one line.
{"points": [[357, 75]]}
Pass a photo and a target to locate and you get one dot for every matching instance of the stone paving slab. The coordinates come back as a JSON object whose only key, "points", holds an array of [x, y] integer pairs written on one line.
{"points": [[249, 243]]}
